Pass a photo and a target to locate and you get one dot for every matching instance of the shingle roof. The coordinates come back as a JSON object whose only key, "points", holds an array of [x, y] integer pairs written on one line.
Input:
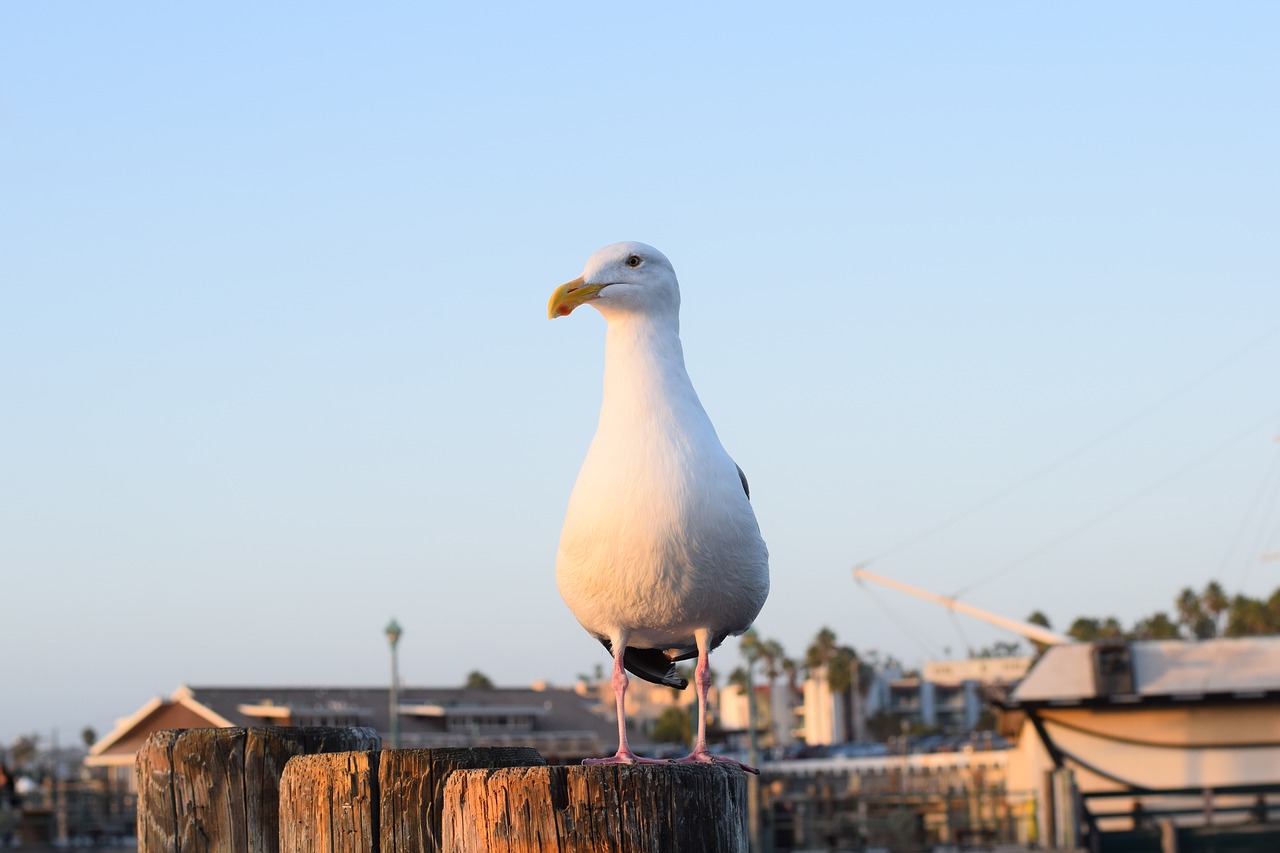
{"points": [[558, 722], [554, 709]]}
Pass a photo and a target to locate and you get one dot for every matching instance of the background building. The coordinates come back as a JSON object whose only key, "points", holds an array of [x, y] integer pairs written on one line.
{"points": [[563, 725], [947, 696]]}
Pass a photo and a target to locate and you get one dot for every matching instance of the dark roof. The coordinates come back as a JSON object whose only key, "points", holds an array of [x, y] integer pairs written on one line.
{"points": [[421, 708], [559, 723]]}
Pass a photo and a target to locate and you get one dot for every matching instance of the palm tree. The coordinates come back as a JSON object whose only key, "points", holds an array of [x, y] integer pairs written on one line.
{"points": [[1249, 617], [790, 669], [840, 664], [752, 649], [1216, 603], [1191, 615], [750, 646], [1273, 606], [1085, 629], [1157, 626], [1038, 617], [853, 678], [866, 680], [821, 650], [773, 654]]}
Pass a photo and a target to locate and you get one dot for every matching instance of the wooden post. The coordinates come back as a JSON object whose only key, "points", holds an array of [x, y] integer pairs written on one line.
{"points": [[218, 789], [616, 808], [365, 802]]}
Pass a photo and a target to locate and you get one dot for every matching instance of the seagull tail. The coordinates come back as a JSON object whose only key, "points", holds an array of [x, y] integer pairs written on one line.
{"points": [[652, 665]]}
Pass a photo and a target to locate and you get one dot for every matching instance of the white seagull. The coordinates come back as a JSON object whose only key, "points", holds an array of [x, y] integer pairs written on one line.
{"points": [[660, 557]]}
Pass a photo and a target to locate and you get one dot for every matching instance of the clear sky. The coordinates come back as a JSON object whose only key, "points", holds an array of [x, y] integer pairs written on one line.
{"points": [[275, 364]]}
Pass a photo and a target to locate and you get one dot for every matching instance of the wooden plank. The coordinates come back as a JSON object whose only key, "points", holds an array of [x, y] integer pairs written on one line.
{"points": [[327, 803], [268, 750], [157, 808], [217, 789], [411, 790], [365, 802], [209, 790], [645, 808]]}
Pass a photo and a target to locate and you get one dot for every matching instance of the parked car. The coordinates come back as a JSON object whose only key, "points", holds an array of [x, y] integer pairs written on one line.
{"points": [[858, 750], [985, 741]]}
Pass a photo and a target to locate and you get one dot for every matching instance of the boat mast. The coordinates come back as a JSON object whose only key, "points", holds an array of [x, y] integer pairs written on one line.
{"points": [[1035, 633]]}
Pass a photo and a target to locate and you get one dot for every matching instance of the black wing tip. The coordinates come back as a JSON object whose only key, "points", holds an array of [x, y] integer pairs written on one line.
{"points": [[652, 665]]}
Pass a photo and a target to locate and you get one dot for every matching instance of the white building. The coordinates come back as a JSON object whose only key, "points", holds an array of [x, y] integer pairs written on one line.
{"points": [[948, 696]]}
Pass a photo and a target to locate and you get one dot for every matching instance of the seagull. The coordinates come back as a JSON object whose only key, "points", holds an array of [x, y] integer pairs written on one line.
{"points": [[660, 557]]}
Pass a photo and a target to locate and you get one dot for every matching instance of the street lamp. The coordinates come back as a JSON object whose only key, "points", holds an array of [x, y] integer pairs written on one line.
{"points": [[393, 638]]}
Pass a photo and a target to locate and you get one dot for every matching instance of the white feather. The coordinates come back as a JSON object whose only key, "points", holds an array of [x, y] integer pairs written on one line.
{"points": [[659, 539]]}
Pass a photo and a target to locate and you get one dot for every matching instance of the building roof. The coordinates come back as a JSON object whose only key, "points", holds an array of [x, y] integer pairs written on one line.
{"points": [[1246, 667], [988, 670], [557, 721]]}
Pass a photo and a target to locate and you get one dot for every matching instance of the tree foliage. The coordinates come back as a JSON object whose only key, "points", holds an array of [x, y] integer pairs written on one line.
{"points": [[998, 649], [1038, 618], [844, 666], [1200, 615], [673, 726], [1157, 626], [478, 680]]}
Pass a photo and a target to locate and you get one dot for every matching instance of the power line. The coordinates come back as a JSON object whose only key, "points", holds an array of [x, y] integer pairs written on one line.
{"points": [[1080, 450], [1097, 519], [903, 625], [964, 638], [1261, 507]]}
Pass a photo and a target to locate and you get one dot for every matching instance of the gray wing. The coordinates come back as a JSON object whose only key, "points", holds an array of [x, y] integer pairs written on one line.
{"points": [[743, 478]]}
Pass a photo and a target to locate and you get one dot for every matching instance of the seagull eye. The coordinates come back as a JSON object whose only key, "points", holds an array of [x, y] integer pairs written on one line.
{"points": [[633, 261]]}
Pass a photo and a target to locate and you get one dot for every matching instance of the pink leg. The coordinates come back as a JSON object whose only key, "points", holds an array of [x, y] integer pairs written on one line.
{"points": [[624, 754], [702, 682]]}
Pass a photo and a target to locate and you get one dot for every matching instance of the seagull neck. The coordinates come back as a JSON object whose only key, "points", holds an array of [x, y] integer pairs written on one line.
{"points": [[643, 357]]}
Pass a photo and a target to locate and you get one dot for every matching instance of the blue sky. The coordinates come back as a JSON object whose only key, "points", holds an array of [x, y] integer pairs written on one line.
{"points": [[276, 366]]}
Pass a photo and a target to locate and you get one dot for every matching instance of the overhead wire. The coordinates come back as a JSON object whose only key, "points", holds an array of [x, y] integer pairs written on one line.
{"points": [[1262, 508], [903, 625], [1115, 509], [964, 638], [1080, 450]]}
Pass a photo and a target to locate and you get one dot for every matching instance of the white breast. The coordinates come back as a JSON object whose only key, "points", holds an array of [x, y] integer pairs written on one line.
{"points": [[659, 538]]}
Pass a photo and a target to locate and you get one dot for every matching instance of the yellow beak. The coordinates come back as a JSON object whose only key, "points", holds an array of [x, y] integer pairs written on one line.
{"points": [[570, 295]]}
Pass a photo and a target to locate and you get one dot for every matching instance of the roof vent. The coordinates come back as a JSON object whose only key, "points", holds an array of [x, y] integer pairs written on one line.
{"points": [[1112, 669]]}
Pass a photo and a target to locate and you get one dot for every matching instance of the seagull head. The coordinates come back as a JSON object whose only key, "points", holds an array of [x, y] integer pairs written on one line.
{"points": [[621, 278]]}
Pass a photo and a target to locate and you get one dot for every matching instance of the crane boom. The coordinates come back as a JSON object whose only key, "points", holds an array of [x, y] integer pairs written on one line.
{"points": [[1035, 633]]}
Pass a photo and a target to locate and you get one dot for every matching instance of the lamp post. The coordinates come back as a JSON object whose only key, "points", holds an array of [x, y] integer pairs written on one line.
{"points": [[393, 638]]}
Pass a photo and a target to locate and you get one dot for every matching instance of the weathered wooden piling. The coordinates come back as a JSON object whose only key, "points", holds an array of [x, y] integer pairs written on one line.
{"points": [[219, 789], [364, 802], [644, 808]]}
